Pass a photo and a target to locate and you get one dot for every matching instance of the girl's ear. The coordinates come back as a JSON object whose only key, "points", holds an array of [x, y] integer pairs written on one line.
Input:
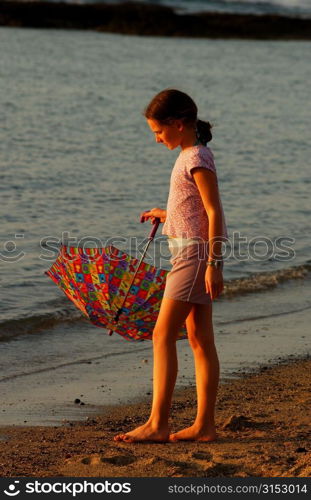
{"points": [[179, 124]]}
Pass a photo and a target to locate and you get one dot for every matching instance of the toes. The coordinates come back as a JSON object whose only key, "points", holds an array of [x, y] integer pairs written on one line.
{"points": [[124, 438], [172, 438], [128, 439], [119, 437]]}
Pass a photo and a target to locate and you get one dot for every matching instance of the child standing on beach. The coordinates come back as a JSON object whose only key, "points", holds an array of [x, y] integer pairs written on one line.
{"points": [[195, 225]]}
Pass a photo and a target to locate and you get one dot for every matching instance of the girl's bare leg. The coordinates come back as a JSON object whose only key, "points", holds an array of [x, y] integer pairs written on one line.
{"points": [[201, 338], [172, 316]]}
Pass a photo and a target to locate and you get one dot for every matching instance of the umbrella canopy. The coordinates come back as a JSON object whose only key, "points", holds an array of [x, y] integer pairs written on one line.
{"points": [[97, 280]]}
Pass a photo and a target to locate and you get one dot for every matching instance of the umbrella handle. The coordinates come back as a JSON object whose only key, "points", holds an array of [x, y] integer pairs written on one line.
{"points": [[153, 231]]}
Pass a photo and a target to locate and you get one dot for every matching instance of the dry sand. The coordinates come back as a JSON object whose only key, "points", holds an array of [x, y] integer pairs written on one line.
{"points": [[263, 422]]}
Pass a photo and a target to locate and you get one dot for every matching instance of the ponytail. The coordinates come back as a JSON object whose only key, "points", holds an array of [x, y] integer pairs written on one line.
{"points": [[204, 133]]}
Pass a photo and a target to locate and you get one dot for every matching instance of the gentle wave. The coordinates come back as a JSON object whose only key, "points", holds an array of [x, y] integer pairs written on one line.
{"points": [[264, 316], [32, 324], [259, 282]]}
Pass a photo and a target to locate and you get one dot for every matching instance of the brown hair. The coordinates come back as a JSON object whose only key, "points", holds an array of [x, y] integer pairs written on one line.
{"points": [[172, 104]]}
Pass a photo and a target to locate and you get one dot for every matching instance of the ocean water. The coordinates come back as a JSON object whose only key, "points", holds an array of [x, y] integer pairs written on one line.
{"points": [[78, 161]]}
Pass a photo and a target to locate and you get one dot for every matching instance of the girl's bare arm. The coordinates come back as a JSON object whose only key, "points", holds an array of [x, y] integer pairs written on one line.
{"points": [[208, 188], [207, 185]]}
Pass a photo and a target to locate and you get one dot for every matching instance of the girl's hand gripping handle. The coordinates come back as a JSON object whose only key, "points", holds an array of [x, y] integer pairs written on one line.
{"points": [[153, 214], [156, 221]]}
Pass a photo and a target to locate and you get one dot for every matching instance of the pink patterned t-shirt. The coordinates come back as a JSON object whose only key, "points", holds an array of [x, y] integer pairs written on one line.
{"points": [[186, 216]]}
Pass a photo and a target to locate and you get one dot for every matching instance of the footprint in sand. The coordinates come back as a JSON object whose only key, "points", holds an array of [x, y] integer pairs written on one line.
{"points": [[86, 461], [118, 460], [202, 455], [179, 469], [218, 470]]}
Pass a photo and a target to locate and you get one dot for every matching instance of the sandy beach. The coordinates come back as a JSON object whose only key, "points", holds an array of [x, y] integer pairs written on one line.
{"points": [[263, 422]]}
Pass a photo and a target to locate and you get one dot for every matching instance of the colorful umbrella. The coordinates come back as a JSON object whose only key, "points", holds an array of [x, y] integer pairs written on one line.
{"points": [[114, 290]]}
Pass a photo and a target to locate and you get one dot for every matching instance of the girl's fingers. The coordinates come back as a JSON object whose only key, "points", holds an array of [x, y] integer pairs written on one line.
{"points": [[145, 216], [152, 214], [215, 291]]}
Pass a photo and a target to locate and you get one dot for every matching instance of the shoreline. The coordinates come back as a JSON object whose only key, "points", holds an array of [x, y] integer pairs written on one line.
{"points": [[250, 332], [262, 423], [152, 20]]}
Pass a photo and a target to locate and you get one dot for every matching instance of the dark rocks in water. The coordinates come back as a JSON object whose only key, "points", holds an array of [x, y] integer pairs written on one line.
{"points": [[155, 20], [124, 18]]}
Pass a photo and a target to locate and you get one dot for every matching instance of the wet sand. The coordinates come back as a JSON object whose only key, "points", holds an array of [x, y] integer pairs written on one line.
{"points": [[152, 20], [263, 423], [251, 331]]}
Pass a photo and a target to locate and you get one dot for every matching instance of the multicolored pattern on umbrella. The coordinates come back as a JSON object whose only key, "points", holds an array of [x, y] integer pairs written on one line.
{"points": [[96, 280]]}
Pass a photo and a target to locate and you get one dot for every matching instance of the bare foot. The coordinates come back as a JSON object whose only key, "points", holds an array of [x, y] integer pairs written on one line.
{"points": [[194, 434], [146, 432]]}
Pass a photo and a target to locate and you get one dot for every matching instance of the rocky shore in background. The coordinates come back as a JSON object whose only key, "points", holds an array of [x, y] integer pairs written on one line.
{"points": [[153, 20]]}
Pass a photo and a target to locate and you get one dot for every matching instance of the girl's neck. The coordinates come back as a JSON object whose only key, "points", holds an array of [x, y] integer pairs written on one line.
{"points": [[189, 140]]}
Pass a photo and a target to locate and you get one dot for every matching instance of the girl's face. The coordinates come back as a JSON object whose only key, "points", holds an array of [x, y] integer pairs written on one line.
{"points": [[170, 135]]}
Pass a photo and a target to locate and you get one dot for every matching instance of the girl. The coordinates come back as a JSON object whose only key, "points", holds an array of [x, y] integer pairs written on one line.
{"points": [[195, 225]]}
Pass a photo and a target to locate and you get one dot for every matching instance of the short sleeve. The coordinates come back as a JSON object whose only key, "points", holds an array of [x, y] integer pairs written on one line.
{"points": [[202, 158]]}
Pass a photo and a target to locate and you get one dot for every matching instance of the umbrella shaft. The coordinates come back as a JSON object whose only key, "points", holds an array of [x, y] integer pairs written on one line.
{"points": [[116, 318]]}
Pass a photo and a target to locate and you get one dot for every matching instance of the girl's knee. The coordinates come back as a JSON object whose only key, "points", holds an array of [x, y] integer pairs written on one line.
{"points": [[162, 336], [201, 341]]}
